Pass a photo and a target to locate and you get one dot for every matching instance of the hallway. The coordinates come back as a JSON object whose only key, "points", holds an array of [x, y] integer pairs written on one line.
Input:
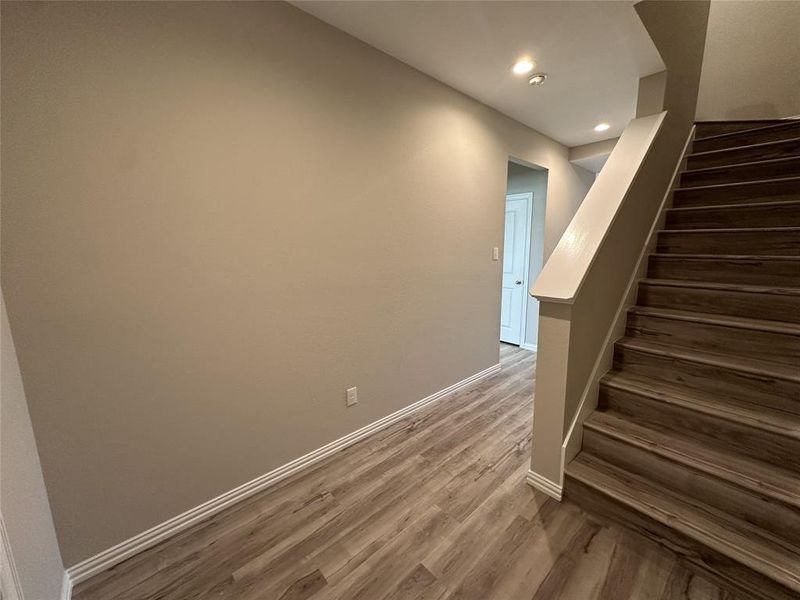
{"points": [[434, 507]]}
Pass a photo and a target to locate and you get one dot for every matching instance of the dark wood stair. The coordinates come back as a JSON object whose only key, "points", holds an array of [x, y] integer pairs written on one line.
{"points": [[696, 439]]}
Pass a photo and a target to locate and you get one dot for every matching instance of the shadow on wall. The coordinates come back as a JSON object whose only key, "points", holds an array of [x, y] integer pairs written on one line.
{"points": [[765, 110]]}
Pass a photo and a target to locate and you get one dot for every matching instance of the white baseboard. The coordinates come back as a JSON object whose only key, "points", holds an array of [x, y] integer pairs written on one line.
{"points": [[543, 484], [108, 558], [531, 347], [66, 587]]}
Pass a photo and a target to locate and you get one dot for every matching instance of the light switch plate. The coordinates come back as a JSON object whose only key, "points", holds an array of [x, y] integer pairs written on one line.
{"points": [[352, 396]]}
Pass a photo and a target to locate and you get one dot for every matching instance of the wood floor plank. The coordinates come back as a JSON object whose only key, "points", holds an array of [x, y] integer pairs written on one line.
{"points": [[431, 508], [420, 584]]}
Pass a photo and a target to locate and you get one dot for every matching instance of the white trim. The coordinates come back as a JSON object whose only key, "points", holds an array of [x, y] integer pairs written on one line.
{"points": [[527, 346], [574, 438], [112, 556], [66, 587], [528, 197], [9, 577], [543, 484], [527, 273]]}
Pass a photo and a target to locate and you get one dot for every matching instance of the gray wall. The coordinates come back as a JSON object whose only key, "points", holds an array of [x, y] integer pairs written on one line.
{"points": [[751, 65], [23, 499], [219, 216]]}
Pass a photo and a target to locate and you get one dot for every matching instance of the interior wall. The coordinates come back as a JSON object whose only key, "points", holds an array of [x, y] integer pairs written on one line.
{"points": [[751, 64], [521, 180], [209, 232], [23, 500]]}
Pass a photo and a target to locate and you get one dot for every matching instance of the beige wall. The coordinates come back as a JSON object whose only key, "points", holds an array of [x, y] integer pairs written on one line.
{"points": [[751, 68], [23, 500], [217, 217]]}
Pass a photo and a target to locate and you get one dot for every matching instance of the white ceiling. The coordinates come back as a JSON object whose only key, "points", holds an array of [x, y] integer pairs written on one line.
{"points": [[593, 51]]}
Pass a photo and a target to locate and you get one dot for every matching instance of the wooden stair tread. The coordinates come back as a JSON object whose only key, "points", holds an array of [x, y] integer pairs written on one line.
{"points": [[738, 206], [739, 544], [735, 230], [736, 411], [721, 151], [729, 184], [773, 124], [755, 475], [723, 320], [727, 361], [696, 441], [731, 287], [734, 166], [700, 256]]}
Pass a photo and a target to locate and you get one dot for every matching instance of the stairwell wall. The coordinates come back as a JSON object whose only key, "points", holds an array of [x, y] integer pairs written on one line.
{"points": [[751, 65]]}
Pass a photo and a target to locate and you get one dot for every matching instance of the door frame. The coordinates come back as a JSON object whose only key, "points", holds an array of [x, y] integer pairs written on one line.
{"points": [[528, 197], [9, 577]]}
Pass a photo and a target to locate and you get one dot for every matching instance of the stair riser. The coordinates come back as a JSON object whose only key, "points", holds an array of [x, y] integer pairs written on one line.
{"points": [[773, 516], [760, 345], [772, 272], [749, 192], [758, 171], [759, 243], [695, 554], [705, 129], [745, 138], [733, 156], [770, 447], [773, 307], [761, 390], [787, 215]]}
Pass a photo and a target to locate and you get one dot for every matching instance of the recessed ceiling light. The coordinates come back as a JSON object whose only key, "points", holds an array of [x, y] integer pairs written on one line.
{"points": [[523, 66], [538, 79], [602, 127]]}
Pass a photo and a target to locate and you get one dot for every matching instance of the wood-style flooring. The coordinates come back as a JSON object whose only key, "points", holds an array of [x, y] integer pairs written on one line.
{"points": [[434, 507]]}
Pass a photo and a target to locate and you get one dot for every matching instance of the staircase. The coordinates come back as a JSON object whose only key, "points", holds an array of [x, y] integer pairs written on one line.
{"points": [[696, 440]]}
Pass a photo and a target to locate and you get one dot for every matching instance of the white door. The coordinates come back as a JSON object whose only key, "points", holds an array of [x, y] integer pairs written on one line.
{"points": [[515, 264]]}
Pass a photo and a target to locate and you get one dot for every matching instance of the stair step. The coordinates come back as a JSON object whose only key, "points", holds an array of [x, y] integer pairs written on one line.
{"points": [[778, 271], [705, 129], [696, 439], [750, 171], [781, 213], [755, 493], [747, 153], [774, 131], [752, 430], [737, 300], [758, 477], [763, 190], [765, 340], [727, 376], [708, 540], [775, 241]]}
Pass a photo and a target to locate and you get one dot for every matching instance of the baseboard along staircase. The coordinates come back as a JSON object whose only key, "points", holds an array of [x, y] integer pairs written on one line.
{"points": [[696, 439]]}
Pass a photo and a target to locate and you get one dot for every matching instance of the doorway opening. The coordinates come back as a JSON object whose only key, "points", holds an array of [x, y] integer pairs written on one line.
{"points": [[523, 252]]}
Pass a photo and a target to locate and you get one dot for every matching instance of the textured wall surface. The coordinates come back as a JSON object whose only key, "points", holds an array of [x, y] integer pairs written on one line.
{"points": [[219, 216], [751, 67]]}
